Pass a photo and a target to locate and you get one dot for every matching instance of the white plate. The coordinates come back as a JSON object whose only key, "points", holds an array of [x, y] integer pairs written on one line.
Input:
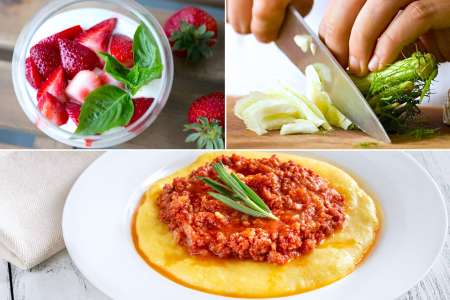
{"points": [[98, 211]]}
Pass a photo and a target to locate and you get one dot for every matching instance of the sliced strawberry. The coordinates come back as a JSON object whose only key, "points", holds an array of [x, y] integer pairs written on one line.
{"points": [[89, 142], [141, 105], [108, 79], [32, 73], [45, 54], [97, 38], [73, 110], [55, 85], [68, 34], [122, 49], [76, 57], [53, 109], [46, 58], [82, 85]]}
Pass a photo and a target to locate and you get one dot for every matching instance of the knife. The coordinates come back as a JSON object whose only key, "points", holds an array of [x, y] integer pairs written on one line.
{"points": [[345, 95]]}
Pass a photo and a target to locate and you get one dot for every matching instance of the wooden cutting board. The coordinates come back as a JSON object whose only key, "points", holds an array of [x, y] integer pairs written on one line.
{"points": [[238, 137]]}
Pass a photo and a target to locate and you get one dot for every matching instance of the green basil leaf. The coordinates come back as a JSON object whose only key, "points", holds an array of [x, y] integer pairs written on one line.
{"points": [[133, 76], [138, 77], [105, 108], [145, 49], [147, 58], [115, 68]]}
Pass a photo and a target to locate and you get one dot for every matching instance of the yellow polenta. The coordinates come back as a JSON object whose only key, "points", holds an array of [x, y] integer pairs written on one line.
{"points": [[335, 258]]}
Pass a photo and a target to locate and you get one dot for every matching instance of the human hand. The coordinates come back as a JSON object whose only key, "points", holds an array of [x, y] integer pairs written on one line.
{"points": [[370, 34], [263, 18]]}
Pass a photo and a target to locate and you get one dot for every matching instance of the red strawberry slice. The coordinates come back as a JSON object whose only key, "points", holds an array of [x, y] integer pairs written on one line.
{"points": [[97, 38], [46, 58], [32, 73], [73, 110], [45, 54], [53, 109], [141, 105], [55, 85], [122, 49], [68, 34], [76, 57], [82, 85]]}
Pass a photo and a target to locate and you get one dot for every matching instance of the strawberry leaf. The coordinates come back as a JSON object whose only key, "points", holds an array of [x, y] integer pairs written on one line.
{"points": [[105, 108], [207, 135], [193, 137], [194, 40]]}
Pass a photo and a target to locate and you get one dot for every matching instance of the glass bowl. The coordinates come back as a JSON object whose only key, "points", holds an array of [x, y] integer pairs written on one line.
{"points": [[26, 95]]}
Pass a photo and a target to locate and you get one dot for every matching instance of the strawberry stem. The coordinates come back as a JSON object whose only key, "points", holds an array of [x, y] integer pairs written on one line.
{"points": [[196, 41], [207, 135]]}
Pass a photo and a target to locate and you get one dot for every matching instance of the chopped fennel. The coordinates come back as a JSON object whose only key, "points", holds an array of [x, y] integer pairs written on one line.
{"points": [[320, 97], [299, 126], [303, 41], [313, 48], [289, 111]]}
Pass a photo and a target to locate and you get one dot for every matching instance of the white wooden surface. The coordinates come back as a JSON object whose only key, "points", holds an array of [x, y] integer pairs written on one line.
{"points": [[59, 279], [5, 292], [54, 279]]}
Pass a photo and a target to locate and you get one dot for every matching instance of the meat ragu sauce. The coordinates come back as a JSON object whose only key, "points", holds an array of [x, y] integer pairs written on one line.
{"points": [[309, 210]]}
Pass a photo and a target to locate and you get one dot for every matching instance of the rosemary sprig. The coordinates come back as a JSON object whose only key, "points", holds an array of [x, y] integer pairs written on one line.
{"points": [[234, 193]]}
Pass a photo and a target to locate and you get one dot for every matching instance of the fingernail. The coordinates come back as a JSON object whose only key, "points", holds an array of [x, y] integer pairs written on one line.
{"points": [[354, 65], [374, 63]]}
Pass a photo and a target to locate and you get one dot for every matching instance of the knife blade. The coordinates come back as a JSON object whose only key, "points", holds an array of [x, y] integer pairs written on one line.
{"points": [[345, 95]]}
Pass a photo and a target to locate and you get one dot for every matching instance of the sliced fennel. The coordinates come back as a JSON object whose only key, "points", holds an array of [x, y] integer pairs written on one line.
{"points": [[313, 48], [333, 115], [313, 106], [254, 115], [324, 74], [303, 41], [289, 111], [275, 122], [248, 101], [303, 108], [299, 126], [317, 93]]}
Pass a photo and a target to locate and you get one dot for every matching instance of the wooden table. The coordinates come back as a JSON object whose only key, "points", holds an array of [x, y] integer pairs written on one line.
{"points": [[191, 81], [59, 279], [238, 137]]}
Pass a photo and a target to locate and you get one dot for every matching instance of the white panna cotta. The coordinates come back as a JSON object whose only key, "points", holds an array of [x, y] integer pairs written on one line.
{"points": [[86, 18]]}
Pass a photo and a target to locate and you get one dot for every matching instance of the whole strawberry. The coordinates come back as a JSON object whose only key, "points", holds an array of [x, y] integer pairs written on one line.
{"points": [[207, 118], [192, 33]]}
